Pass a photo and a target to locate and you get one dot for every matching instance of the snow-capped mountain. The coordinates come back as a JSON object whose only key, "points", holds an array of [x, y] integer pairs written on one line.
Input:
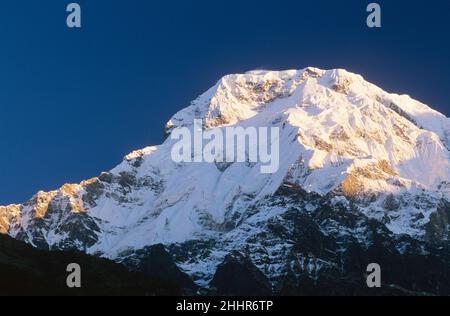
{"points": [[357, 165]]}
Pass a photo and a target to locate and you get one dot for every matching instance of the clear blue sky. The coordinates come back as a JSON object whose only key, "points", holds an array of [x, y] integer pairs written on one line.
{"points": [[74, 102]]}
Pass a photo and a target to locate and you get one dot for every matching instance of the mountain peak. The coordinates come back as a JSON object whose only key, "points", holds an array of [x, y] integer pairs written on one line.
{"points": [[344, 144], [239, 97]]}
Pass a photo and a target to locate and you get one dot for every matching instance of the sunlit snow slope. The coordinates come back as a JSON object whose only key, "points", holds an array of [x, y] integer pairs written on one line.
{"points": [[340, 137]]}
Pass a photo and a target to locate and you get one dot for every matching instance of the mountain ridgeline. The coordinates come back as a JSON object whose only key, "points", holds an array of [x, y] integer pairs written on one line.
{"points": [[364, 178]]}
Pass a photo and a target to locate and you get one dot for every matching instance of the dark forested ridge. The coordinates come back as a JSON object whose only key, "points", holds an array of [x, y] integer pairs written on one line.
{"points": [[25, 270]]}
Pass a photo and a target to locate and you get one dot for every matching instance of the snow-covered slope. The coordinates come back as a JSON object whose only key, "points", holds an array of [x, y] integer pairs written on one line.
{"points": [[342, 140]]}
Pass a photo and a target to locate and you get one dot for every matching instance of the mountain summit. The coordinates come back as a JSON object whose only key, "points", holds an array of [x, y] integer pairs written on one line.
{"points": [[360, 169]]}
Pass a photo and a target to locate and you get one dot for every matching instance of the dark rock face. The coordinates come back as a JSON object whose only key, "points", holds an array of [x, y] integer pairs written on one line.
{"points": [[237, 275], [156, 262], [438, 229], [291, 243], [315, 247], [401, 275], [25, 270], [337, 261]]}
